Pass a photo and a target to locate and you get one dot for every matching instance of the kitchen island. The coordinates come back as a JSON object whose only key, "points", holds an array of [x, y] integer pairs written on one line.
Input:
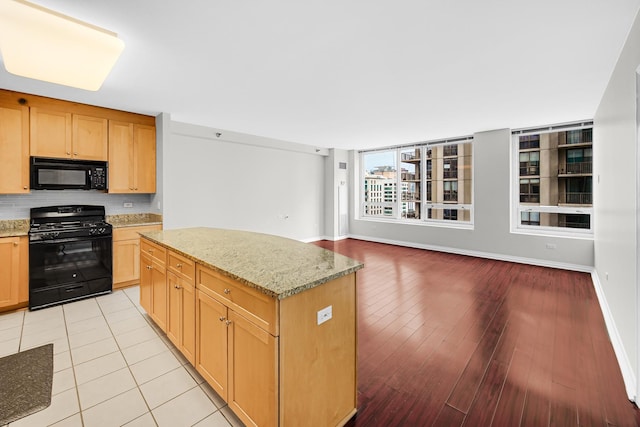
{"points": [[269, 322]]}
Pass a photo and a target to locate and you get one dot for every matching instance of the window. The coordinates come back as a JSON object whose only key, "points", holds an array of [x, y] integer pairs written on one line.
{"points": [[450, 191], [421, 183], [450, 214], [529, 163], [530, 190], [530, 218], [553, 171]]}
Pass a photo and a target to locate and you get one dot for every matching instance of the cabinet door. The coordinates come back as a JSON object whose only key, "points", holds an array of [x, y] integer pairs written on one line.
{"points": [[174, 308], [14, 149], [211, 342], [120, 157], [253, 372], [188, 327], [89, 138], [181, 318], [9, 271], [126, 261], [145, 159], [145, 282], [159, 295], [50, 133]]}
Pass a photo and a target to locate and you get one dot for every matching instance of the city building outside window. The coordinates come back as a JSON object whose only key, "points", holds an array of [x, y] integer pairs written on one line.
{"points": [[552, 170], [429, 182]]}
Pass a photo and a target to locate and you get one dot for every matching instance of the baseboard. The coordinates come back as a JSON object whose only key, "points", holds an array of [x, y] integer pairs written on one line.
{"points": [[480, 254], [616, 341], [317, 239]]}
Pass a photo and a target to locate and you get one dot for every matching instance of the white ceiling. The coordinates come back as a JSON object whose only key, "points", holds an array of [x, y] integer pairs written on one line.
{"points": [[354, 73]]}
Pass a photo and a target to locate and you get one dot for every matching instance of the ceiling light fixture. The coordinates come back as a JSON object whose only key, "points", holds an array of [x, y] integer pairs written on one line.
{"points": [[42, 44]]}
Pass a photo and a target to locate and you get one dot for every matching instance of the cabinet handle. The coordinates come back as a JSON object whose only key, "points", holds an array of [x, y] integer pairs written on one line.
{"points": [[228, 322], [15, 243], [150, 251], [178, 265], [222, 318], [68, 153], [25, 187], [149, 267], [227, 291], [75, 154], [177, 286], [136, 188]]}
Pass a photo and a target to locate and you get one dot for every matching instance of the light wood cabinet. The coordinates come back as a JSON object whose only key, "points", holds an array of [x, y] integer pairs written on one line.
{"points": [[269, 359], [153, 283], [14, 148], [253, 372], [242, 367], [61, 134], [211, 353], [181, 317], [14, 271], [126, 254], [132, 158]]}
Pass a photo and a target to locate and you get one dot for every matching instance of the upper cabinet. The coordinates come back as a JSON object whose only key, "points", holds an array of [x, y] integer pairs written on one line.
{"points": [[132, 158], [62, 134], [37, 126], [14, 148]]}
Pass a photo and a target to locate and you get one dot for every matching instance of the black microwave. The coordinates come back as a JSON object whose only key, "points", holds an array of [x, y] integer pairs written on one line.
{"points": [[63, 174]]}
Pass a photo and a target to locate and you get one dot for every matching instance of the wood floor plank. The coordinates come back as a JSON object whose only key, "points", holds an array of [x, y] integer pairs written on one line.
{"points": [[465, 390], [511, 403], [510, 344]]}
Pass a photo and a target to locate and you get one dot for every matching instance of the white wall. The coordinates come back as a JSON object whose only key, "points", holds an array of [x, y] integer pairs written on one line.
{"points": [[491, 236], [615, 201], [242, 182]]}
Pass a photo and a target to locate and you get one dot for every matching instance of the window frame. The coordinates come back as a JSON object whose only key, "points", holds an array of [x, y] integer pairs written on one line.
{"points": [[425, 203], [518, 207]]}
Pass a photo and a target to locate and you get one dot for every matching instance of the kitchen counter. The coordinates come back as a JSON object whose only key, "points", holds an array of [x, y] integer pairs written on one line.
{"points": [[14, 227], [276, 266], [134, 220]]}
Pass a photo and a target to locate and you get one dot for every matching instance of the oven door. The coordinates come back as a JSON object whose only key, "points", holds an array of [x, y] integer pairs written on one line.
{"points": [[63, 270]]}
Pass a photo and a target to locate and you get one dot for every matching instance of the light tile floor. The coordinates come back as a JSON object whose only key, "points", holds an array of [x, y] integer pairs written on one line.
{"points": [[112, 367]]}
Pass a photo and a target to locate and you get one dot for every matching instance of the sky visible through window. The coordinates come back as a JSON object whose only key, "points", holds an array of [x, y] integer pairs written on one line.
{"points": [[372, 160]]}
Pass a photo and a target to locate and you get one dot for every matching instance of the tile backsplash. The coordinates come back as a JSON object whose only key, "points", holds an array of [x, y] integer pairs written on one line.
{"points": [[16, 206]]}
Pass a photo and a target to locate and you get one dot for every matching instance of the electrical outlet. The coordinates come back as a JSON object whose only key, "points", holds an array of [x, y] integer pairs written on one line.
{"points": [[127, 204], [325, 314]]}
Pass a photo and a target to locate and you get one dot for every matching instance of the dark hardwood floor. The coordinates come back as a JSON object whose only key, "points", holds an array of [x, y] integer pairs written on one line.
{"points": [[449, 340]]}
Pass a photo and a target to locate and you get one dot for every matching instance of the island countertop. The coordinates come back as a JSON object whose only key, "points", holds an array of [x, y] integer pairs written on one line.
{"points": [[275, 265]]}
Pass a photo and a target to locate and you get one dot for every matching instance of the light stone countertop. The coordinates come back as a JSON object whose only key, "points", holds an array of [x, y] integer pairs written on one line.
{"points": [[14, 227], [134, 220], [276, 266]]}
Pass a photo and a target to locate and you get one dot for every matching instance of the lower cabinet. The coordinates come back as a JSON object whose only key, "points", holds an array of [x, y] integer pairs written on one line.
{"points": [[14, 271], [253, 372], [126, 254], [153, 282], [181, 318], [239, 360], [269, 359], [211, 352]]}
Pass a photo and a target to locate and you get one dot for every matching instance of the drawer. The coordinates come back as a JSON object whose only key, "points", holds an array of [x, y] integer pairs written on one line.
{"points": [[155, 251], [183, 267], [257, 307], [130, 233]]}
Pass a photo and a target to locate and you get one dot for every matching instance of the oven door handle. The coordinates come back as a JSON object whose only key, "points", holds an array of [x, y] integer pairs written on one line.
{"points": [[69, 240]]}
